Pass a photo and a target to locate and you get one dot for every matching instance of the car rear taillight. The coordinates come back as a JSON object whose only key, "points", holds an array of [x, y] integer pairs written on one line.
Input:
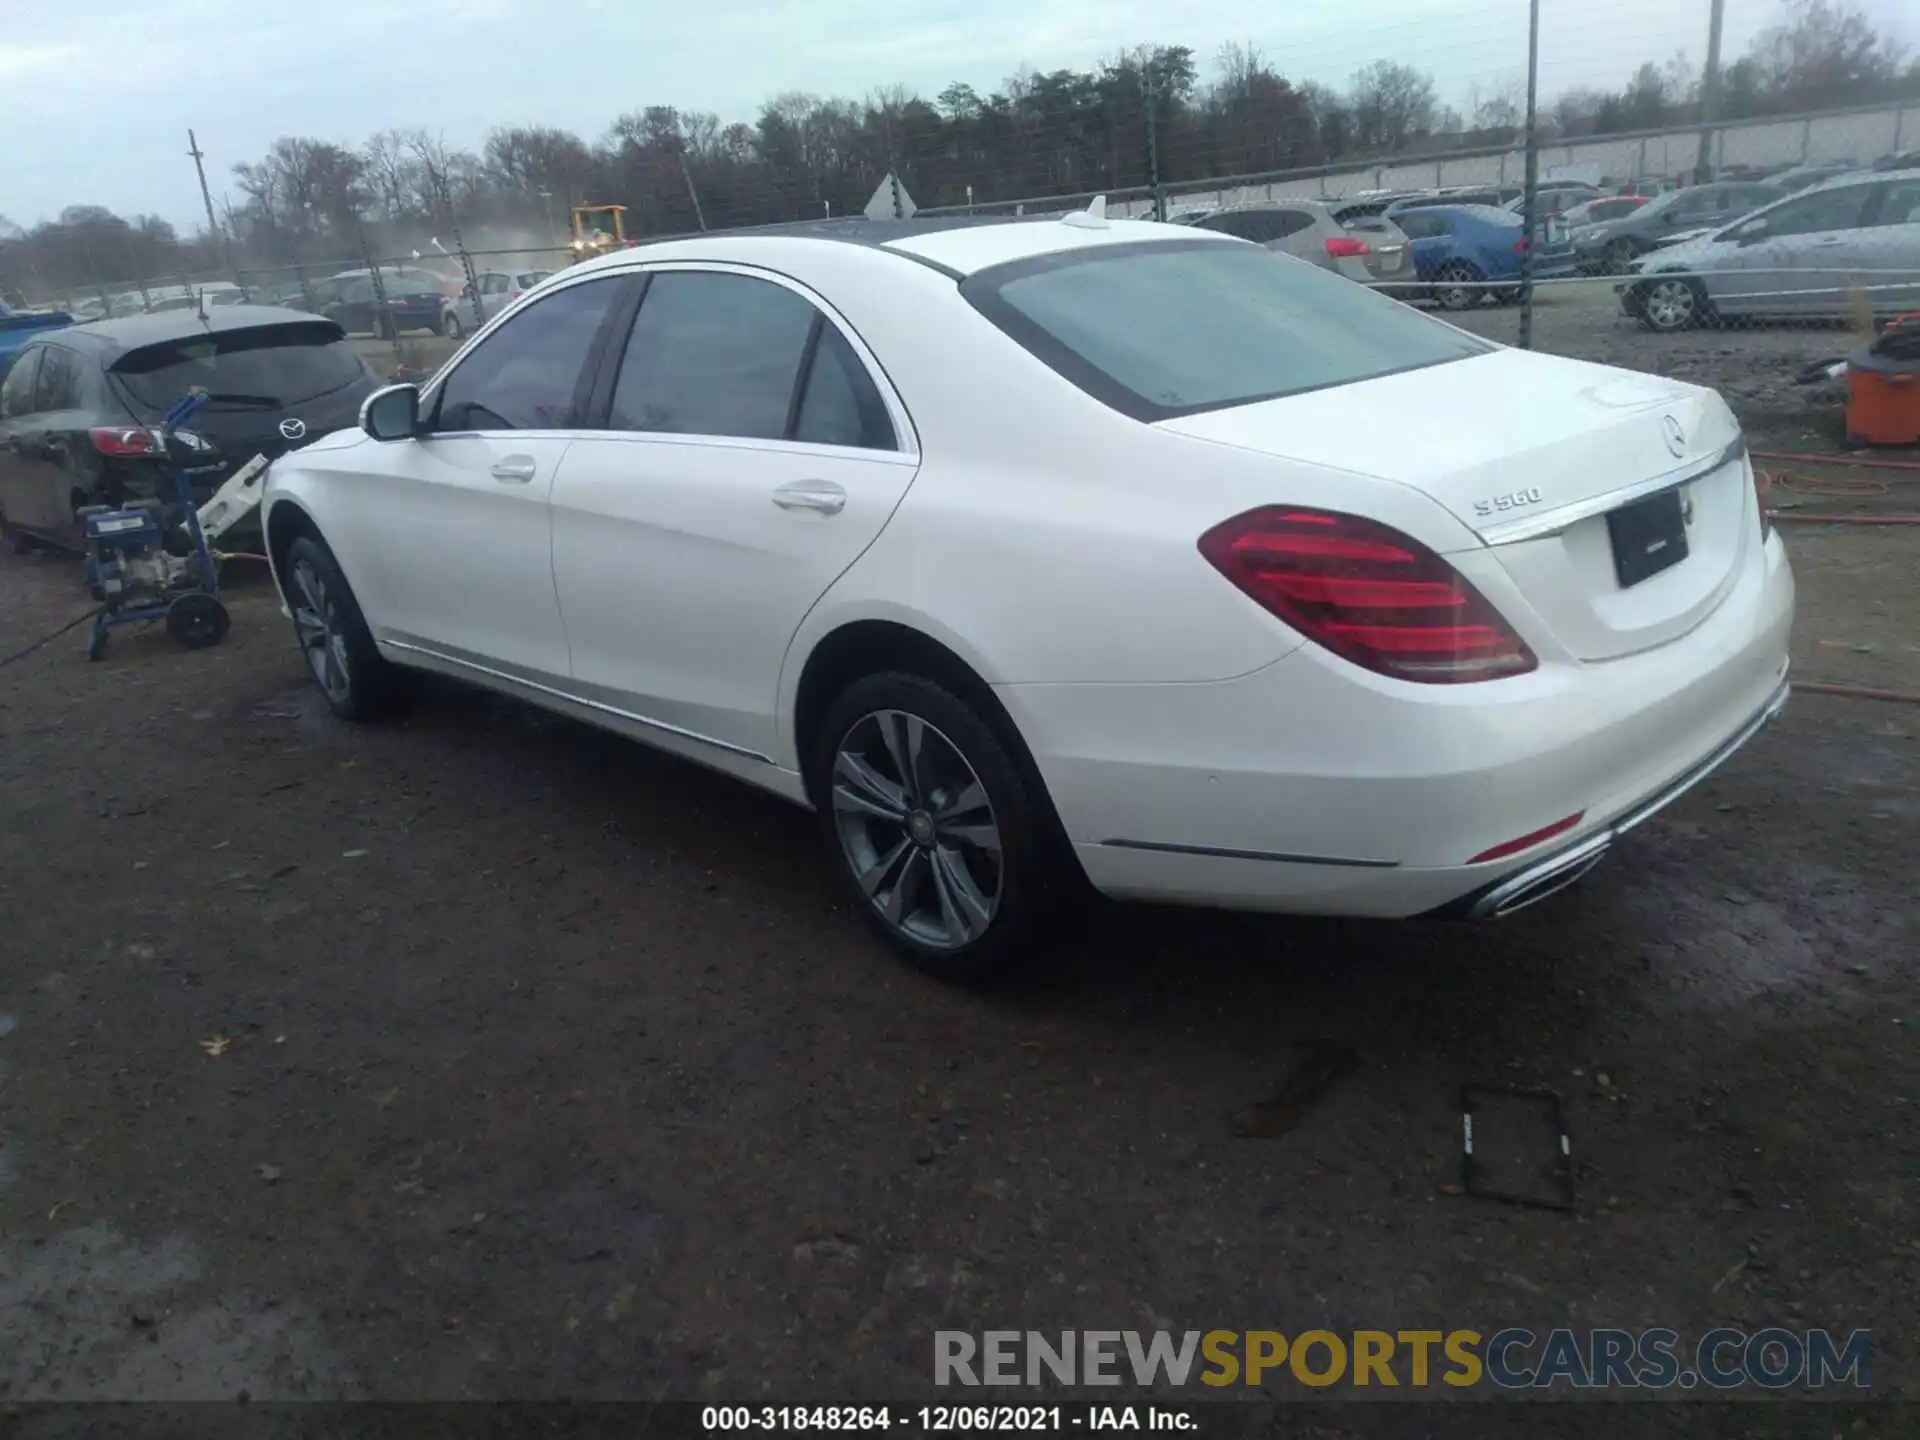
{"points": [[1344, 247], [121, 441], [1530, 839], [1368, 593]]}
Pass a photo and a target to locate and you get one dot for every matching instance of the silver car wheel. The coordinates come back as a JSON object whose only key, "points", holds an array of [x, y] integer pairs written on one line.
{"points": [[917, 829], [1670, 304], [316, 620]]}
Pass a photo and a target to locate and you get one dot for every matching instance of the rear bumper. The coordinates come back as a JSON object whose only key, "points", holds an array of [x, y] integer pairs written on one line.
{"points": [[1557, 871], [1312, 787]]}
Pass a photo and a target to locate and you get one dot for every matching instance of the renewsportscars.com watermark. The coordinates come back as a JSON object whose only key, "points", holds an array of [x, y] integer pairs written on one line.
{"points": [[1512, 1359]]}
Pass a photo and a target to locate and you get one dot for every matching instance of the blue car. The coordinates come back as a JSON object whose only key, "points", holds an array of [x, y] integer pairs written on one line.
{"points": [[1464, 251]]}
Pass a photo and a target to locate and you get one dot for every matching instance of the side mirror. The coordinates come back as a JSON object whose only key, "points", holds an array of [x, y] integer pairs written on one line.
{"points": [[392, 413]]}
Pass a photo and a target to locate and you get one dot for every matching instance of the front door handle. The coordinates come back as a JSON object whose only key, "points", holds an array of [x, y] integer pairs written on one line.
{"points": [[515, 469], [821, 496], [1825, 244]]}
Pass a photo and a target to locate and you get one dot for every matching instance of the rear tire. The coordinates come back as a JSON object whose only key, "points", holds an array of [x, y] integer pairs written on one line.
{"points": [[450, 326], [1456, 289], [938, 840], [333, 635]]}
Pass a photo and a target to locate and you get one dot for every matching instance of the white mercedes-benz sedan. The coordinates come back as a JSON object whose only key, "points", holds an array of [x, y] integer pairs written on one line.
{"points": [[1027, 552]]}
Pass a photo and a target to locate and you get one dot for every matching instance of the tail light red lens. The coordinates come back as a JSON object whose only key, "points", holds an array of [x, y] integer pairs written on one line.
{"points": [[1344, 247], [1368, 593], [1530, 839], [122, 441]]}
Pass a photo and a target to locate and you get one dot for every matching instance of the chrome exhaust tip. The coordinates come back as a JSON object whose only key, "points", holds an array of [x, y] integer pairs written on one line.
{"points": [[1539, 881]]}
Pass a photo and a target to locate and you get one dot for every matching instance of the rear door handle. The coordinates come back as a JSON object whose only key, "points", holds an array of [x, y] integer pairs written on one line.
{"points": [[515, 469], [1829, 241], [821, 496]]}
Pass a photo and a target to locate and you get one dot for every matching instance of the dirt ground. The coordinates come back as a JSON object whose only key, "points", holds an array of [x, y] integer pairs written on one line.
{"points": [[480, 1055]]}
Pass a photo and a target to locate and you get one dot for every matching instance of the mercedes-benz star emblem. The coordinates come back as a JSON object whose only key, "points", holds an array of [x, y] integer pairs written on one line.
{"points": [[1676, 436], [294, 429]]}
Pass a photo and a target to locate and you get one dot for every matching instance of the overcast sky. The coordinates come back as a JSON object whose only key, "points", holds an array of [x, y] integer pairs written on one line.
{"points": [[96, 95]]}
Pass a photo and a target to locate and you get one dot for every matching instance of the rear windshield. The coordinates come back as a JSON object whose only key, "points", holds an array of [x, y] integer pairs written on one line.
{"points": [[1170, 328], [277, 364]]}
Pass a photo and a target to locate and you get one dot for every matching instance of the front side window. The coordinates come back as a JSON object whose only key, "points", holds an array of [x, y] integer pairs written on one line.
{"points": [[525, 374], [1841, 209], [1159, 329], [16, 394]]}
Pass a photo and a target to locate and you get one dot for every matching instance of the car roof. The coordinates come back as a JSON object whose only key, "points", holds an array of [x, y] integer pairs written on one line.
{"points": [[1280, 202], [132, 332], [956, 245], [1472, 212]]}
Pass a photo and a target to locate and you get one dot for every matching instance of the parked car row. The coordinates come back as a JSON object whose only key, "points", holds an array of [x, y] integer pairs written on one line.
{"points": [[1456, 252]]}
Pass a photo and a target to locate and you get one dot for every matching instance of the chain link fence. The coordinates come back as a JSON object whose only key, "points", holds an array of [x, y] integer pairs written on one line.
{"points": [[1742, 253]]}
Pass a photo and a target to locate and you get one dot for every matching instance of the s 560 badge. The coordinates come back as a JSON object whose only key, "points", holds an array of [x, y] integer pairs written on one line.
{"points": [[1512, 501]]}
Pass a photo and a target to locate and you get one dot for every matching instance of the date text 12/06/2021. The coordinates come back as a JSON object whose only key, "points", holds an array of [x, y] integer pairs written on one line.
{"points": [[939, 1419]]}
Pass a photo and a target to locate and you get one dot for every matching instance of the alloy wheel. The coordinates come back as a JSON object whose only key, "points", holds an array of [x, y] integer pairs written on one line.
{"points": [[323, 639], [917, 829], [1670, 304]]}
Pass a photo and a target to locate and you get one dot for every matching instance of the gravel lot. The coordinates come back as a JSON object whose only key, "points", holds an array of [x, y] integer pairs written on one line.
{"points": [[481, 1055]]}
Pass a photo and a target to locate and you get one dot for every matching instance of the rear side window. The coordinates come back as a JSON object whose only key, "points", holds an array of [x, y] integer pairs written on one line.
{"points": [[1160, 329], [723, 354], [264, 365], [839, 404], [713, 354], [59, 387], [523, 376]]}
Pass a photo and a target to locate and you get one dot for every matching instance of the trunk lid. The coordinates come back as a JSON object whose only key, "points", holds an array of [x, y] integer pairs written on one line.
{"points": [[1532, 453]]}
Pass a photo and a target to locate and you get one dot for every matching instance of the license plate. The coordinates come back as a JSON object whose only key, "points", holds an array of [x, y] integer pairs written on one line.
{"points": [[1648, 536]]}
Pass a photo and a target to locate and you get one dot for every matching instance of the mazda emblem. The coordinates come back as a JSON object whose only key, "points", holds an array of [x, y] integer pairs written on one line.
{"points": [[295, 429], [1676, 436]]}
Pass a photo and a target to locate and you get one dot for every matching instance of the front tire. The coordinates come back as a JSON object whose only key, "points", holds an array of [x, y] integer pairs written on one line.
{"points": [[333, 635], [1669, 304], [937, 837]]}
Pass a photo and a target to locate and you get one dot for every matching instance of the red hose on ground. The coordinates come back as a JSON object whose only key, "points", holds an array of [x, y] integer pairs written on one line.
{"points": [[1850, 461], [1778, 515], [1856, 692]]}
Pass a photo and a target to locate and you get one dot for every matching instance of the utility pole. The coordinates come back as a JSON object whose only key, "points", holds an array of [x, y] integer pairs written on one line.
{"points": [[1153, 140], [1532, 200], [692, 194], [1710, 91], [206, 198]]}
